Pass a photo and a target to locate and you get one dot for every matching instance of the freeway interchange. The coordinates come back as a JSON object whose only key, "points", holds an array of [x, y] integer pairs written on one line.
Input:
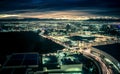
{"points": [[106, 64]]}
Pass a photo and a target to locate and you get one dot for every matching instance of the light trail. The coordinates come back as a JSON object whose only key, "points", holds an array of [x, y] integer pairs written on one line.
{"points": [[87, 52]]}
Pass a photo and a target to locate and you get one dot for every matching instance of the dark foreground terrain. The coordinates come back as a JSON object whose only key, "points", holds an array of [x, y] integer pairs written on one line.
{"points": [[112, 49], [20, 42]]}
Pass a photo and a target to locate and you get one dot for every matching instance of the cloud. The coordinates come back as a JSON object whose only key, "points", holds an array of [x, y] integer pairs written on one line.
{"points": [[6, 15], [89, 7], [56, 14]]}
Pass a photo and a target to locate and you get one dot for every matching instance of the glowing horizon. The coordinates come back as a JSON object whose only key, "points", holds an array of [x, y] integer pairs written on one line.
{"points": [[74, 14]]}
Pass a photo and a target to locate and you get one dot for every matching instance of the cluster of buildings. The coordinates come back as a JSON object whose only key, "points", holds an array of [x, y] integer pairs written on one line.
{"points": [[74, 34], [55, 28]]}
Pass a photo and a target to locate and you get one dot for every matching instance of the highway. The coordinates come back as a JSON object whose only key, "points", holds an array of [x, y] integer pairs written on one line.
{"points": [[96, 56], [102, 65]]}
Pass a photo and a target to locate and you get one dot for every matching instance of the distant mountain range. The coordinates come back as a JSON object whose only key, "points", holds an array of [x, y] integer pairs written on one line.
{"points": [[51, 19], [30, 19]]}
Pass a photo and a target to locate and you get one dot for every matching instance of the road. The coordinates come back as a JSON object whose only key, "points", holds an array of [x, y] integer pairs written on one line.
{"points": [[89, 53], [103, 67]]}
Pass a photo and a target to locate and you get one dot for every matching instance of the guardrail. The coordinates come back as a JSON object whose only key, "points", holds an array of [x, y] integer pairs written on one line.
{"points": [[106, 55]]}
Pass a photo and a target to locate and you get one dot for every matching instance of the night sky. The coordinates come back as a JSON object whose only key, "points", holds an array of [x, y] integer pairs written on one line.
{"points": [[58, 8]]}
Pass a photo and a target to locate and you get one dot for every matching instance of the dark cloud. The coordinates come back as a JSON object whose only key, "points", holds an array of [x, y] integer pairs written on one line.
{"points": [[98, 7]]}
